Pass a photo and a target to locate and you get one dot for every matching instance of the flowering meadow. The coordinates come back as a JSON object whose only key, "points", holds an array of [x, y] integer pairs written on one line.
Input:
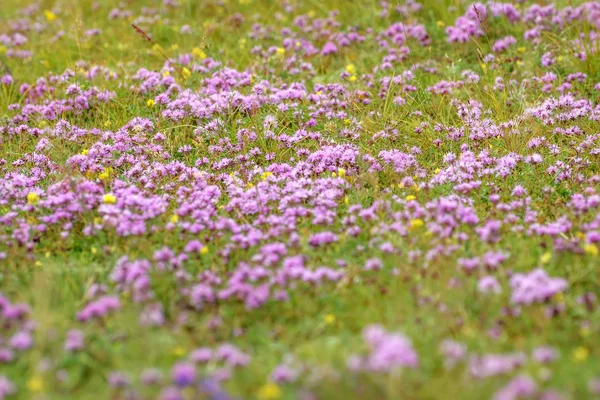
{"points": [[299, 199]]}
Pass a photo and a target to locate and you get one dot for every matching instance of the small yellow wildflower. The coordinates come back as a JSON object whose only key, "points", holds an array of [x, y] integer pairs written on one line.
{"points": [[580, 354], [107, 124], [109, 199], [352, 78], [35, 384], [150, 103], [50, 16], [186, 73], [199, 53], [351, 69], [179, 351], [166, 73], [437, 171], [269, 391], [280, 51], [174, 218], [105, 175], [410, 197], [93, 250], [341, 172], [560, 59], [440, 24], [585, 331], [546, 257], [559, 298], [346, 201], [265, 175], [38, 263], [416, 223], [329, 319], [84, 152], [32, 198], [204, 250], [591, 249], [98, 220], [347, 121], [47, 254], [483, 68]]}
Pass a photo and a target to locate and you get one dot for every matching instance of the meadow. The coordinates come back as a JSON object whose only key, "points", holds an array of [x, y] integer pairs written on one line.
{"points": [[299, 199]]}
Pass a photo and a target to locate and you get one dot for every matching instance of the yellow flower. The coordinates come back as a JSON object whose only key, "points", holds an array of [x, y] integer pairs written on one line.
{"points": [[341, 172], [352, 78], [416, 223], [35, 384], [560, 59], [165, 74], [346, 201], [440, 24], [98, 220], [186, 73], [280, 51], [110, 199], [269, 391], [107, 123], [266, 175], [174, 218], [351, 69], [580, 354], [84, 152], [522, 49], [585, 331], [559, 298], [329, 319], [179, 351], [38, 263], [591, 249], [437, 171], [150, 103], [204, 250], [93, 250], [32, 198], [483, 68], [197, 52], [546, 257], [50, 16], [410, 197]]}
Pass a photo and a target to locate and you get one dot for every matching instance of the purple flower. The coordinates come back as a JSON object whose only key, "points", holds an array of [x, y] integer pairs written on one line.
{"points": [[74, 340], [329, 48], [183, 374]]}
